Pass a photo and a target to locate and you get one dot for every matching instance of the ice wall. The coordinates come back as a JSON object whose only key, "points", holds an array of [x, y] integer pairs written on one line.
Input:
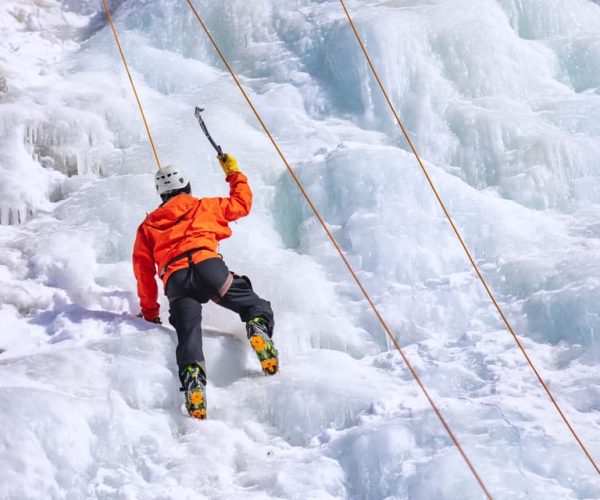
{"points": [[501, 99], [494, 88], [67, 126]]}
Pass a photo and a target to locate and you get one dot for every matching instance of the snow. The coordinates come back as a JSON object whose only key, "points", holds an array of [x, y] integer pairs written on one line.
{"points": [[501, 99]]}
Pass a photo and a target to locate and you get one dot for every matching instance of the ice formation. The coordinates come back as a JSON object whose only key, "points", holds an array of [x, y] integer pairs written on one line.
{"points": [[502, 99]]}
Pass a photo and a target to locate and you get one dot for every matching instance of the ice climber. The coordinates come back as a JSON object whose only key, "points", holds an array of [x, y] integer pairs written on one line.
{"points": [[180, 239]]}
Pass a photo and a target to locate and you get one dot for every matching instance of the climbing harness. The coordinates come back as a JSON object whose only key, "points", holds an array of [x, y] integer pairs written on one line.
{"points": [[185, 255], [461, 240]]}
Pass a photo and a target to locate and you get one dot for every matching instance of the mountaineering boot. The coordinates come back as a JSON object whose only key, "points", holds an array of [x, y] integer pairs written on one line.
{"points": [[257, 330], [193, 380]]}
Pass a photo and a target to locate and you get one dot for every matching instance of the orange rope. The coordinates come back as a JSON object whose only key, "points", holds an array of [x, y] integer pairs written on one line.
{"points": [[341, 254], [137, 98], [462, 242]]}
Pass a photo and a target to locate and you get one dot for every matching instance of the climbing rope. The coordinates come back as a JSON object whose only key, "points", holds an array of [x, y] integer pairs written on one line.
{"points": [[340, 252], [461, 240], [137, 97]]}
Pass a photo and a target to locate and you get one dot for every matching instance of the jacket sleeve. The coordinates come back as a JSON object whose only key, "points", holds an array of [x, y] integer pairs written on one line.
{"points": [[239, 202], [145, 271]]}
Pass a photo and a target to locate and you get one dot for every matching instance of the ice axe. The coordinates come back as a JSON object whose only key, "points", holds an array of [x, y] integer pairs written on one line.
{"points": [[198, 114]]}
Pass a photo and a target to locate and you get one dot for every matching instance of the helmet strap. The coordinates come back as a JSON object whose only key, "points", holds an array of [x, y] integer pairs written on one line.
{"points": [[187, 189]]}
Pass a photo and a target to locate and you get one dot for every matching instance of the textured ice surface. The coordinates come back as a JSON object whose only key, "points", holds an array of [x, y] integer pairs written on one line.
{"points": [[501, 97]]}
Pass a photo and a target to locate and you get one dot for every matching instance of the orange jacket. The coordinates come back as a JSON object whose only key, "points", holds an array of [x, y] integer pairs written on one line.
{"points": [[181, 224]]}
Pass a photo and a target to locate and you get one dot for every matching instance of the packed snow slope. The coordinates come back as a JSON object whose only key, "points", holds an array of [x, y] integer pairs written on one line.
{"points": [[502, 98]]}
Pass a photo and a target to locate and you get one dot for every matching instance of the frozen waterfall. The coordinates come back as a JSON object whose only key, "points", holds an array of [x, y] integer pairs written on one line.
{"points": [[502, 99]]}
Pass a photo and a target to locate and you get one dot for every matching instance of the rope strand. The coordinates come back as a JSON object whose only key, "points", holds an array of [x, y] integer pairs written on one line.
{"points": [[137, 97], [342, 255], [462, 242]]}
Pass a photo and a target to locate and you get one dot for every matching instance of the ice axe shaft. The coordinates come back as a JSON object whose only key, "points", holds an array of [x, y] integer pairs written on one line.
{"points": [[218, 149]]}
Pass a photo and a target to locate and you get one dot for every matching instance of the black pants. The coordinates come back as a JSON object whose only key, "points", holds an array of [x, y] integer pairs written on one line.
{"points": [[187, 289]]}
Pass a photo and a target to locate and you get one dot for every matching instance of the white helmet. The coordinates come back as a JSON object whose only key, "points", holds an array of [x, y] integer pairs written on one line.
{"points": [[170, 178]]}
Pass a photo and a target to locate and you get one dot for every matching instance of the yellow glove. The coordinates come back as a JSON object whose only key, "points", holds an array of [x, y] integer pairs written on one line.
{"points": [[229, 164]]}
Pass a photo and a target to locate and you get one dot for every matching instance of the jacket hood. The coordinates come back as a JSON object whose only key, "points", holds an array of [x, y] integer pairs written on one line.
{"points": [[172, 211]]}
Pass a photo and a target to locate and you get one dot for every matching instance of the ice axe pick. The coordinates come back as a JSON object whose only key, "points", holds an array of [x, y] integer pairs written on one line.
{"points": [[198, 114]]}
